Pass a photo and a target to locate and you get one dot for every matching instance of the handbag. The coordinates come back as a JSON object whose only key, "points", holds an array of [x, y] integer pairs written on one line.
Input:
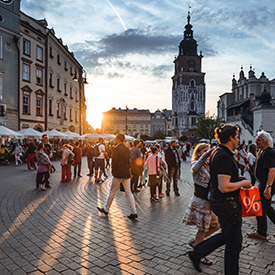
{"points": [[250, 201], [159, 173]]}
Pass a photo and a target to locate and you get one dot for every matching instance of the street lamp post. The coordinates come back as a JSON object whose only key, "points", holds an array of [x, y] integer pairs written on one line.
{"points": [[82, 80], [126, 120]]}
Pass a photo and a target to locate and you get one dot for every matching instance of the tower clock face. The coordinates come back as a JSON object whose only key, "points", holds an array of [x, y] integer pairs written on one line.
{"points": [[191, 63], [7, 2]]}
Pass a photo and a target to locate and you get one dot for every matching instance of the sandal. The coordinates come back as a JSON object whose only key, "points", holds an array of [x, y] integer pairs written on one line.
{"points": [[205, 261], [192, 243]]}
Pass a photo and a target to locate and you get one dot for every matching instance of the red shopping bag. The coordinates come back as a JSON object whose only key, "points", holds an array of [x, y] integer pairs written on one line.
{"points": [[250, 201]]}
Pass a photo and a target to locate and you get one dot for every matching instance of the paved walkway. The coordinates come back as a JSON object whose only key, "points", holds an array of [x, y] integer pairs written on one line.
{"points": [[60, 231]]}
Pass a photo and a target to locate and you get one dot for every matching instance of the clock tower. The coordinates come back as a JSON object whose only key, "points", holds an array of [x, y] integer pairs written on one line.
{"points": [[188, 91]]}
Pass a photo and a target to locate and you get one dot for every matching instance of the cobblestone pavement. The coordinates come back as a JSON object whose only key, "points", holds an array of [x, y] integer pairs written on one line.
{"points": [[60, 231]]}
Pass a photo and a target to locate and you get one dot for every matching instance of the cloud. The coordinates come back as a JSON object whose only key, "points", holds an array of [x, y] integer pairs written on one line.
{"points": [[115, 49]]}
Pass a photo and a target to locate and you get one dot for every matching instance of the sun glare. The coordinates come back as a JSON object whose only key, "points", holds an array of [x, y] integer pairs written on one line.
{"points": [[94, 115]]}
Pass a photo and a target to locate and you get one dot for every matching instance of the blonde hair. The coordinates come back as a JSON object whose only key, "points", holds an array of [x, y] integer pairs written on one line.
{"points": [[199, 147]]}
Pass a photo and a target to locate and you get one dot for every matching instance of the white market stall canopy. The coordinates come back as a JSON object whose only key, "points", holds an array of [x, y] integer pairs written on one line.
{"points": [[8, 133], [56, 134], [93, 136], [129, 137], [30, 133], [108, 137], [73, 135]]}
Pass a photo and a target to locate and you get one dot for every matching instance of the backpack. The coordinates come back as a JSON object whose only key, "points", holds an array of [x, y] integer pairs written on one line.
{"points": [[95, 151], [70, 159]]}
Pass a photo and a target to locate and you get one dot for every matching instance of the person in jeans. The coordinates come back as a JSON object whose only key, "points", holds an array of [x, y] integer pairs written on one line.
{"points": [[121, 174], [265, 174], [172, 159], [226, 183]]}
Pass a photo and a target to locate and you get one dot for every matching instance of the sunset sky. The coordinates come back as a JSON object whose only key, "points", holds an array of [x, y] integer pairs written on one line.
{"points": [[128, 47]]}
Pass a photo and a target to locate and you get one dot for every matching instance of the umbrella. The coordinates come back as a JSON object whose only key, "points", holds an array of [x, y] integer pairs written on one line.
{"points": [[56, 134], [30, 133], [94, 136], [8, 133], [73, 135]]}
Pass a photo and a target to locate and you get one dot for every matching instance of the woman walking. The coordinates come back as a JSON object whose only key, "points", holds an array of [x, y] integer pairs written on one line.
{"points": [[153, 166], [66, 163], [199, 212], [43, 163]]}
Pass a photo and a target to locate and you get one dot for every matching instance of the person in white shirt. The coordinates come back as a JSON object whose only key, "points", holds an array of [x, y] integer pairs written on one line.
{"points": [[100, 160], [251, 157]]}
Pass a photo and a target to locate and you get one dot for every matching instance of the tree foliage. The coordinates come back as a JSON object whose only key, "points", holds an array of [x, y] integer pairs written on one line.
{"points": [[159, 135], [206, 126], [183, 138]]}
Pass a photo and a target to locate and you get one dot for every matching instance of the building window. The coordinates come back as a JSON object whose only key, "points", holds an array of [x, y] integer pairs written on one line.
{"points": [[51, 80], [39, 106], [3, 110], [76, 97], [1, 47], [58, 60], [39, 77], [1, 86], [51, 52], [71, 92], [76, 120], [71, 70], [50, 107], [26, 72], [58, 110], [65, 113], [26, 104], [65, 89], [26, 47], [192, 106], [65, 66], [58, 84], [193, 121], [71, 115], [39, 53]]}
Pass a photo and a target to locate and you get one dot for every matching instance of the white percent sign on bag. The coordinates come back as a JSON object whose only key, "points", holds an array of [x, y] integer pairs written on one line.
{"points": [[251, 203]]}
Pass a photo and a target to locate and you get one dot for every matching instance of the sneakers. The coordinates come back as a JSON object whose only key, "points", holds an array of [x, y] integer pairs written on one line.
{"points": [[161, 195], [102, 210], [132, 216], [256, 235]]}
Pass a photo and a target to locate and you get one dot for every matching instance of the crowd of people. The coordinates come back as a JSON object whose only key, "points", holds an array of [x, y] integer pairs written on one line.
{"points": [[218, 175]]}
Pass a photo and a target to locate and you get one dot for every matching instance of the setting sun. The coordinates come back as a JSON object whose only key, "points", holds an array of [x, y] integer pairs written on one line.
{"points": [[94, 115]]}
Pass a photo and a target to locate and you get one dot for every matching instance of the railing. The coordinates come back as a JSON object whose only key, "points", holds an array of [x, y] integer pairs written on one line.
{"points": [[247, 126]]}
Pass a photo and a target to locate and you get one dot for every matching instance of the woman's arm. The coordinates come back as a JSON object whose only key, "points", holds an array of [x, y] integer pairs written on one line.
{"points": [[196, 165]]}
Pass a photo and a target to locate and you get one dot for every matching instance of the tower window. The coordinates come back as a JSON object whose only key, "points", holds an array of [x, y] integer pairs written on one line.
{"points": [[192, 106]]}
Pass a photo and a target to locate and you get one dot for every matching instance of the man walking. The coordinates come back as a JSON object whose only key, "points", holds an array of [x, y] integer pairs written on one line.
{"points": [[226, 184], [136, 165], [172, 159], [121, 174], [48, 150], [265, 174], [78, 160]]}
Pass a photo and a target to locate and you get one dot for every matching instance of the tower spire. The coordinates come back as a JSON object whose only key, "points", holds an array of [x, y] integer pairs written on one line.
{"points": [[189, 17]]}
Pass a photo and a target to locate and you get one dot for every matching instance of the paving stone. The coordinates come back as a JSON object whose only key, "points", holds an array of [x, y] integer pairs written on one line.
{"points": [[61, 232]]}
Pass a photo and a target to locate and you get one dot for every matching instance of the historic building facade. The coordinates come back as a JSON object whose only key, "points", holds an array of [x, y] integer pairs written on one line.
{"points": [[41, 82], [9, 63], [136, 121], [188, 91], [250, 105], [126, 121]]}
